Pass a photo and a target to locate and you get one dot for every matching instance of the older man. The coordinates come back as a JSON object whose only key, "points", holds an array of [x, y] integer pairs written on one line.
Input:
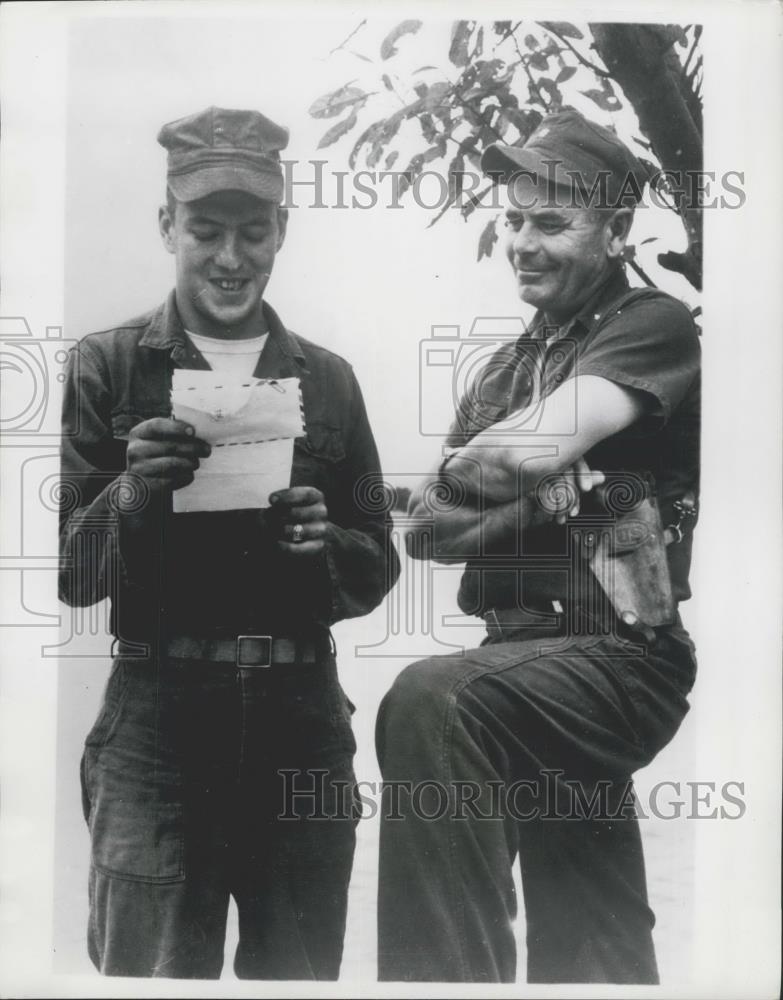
{"points": [[223, 697], [563, 458]]}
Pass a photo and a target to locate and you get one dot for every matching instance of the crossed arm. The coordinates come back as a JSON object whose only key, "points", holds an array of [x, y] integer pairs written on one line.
{"points": [[502, 469]]}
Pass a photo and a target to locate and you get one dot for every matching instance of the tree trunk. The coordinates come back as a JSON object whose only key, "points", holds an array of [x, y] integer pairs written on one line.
{"points": [[641, 60]]}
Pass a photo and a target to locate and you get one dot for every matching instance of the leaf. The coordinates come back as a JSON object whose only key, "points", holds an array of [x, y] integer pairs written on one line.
{"points": [[532, 42], [524, 121], [676, 32], [489, 73], [379, 133], [539, 61], [456, 179], [650, 239], [502, 121], [387, 82], [435, 152], [501, 27], [564, 28], [390, 160], [388, 48], [565, 74], [421, 69], [555, 97], [478, 48], [608, 102], [458, 50], [435, 95], [427, 126], [376, 151], [331, 105], [488, 239], [338, 130], [370, 134]]}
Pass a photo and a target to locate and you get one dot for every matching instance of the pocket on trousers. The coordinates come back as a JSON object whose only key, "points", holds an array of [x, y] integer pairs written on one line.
{"points": [[113, 698], [132, 783]]}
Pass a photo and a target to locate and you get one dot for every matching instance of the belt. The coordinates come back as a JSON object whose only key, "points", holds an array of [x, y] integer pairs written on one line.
{"points": [[501, 620], [249, 651]]}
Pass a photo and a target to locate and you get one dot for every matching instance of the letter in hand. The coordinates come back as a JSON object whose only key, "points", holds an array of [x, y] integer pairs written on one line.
{"points": [[299, 520], [164, 453]]}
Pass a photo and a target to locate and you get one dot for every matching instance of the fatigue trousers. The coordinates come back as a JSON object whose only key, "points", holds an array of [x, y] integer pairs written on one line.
{"points": [[203, 781], [523, 747]]}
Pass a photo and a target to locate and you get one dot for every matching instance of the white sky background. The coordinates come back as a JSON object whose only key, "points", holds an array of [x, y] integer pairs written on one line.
{"points": [[370, 284]]}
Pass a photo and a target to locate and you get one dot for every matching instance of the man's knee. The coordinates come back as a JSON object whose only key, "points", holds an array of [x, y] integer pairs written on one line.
{"points": [[417, 700]]}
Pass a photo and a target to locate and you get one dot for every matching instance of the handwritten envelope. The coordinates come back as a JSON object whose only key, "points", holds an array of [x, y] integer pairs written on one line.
{"points": [[251, 425]]}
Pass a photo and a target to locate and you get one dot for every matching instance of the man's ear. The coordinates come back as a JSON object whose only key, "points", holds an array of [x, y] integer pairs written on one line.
{"points": [[618, 226], [282, 226], [166, 226]]}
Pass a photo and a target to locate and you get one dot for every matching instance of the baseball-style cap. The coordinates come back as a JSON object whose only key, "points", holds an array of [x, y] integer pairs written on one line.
{"points": [[224, 150], [576, 154]]}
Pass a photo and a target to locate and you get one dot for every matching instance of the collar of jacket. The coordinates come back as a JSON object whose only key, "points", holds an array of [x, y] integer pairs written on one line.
{"points": [[615, 285], [165, 332]]}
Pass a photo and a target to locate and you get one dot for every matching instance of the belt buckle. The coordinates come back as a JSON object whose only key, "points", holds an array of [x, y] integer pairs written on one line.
{"points": [[254, 651]]}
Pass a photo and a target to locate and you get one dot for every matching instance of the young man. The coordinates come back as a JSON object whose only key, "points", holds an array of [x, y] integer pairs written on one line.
{"points": [[224, 675], [557, 459]]}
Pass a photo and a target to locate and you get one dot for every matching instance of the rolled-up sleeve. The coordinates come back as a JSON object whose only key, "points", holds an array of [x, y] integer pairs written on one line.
{"points": [[651, 345]]}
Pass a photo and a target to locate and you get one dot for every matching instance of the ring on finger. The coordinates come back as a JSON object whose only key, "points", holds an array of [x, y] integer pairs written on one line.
{"points": [[297, 533]]}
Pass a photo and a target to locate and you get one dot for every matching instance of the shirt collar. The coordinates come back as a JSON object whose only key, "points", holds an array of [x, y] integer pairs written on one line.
{"points": [[166, 332]]}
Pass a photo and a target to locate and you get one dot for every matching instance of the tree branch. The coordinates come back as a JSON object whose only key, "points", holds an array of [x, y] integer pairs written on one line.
{"points": [[345, 41], [529, 75], [582, 59], [650, 75]]}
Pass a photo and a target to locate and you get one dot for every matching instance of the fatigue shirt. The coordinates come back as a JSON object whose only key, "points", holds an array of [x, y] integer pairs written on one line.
{"points": [[641, 338], [213, 573]]}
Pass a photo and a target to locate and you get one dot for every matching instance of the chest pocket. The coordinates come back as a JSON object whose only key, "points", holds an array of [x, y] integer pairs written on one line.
{"points": [[322, 442], [317, 457]]}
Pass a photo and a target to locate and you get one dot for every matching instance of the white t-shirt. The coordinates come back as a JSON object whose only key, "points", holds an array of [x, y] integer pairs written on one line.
{"points": [[237, 357]]}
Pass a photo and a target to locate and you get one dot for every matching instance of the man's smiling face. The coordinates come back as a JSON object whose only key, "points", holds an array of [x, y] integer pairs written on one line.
{"points": [[560, 254], [225, 246]]}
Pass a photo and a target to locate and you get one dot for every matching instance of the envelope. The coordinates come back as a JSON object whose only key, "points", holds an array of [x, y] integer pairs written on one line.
{"points": [[235, 411], [251, 425]]}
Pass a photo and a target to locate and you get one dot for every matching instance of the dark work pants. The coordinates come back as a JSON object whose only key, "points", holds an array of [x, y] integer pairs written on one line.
{"points": [[187, 805], [531, 730]]}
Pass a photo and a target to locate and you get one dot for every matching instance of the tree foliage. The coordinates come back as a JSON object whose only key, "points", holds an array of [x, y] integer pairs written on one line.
{"points": [[497, 82]]}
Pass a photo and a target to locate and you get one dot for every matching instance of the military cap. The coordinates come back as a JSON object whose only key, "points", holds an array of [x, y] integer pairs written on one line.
{"points": [[575, 154], [221, 150]]}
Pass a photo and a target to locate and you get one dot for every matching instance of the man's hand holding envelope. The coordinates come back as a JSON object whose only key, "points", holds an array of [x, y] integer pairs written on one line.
{"points": [[230, 447]]}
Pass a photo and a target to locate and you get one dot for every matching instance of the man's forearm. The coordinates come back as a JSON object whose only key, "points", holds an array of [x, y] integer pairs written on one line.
{"points": [[469, 530]]}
